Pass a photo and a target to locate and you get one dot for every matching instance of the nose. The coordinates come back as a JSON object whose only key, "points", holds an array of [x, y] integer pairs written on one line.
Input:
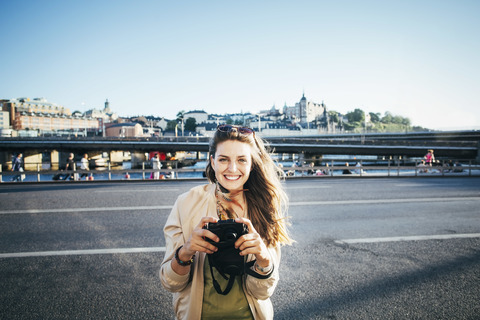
{"points": [[232, 167]]}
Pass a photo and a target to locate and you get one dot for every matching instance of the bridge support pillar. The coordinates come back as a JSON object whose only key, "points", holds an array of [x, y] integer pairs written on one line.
{"points": [[54, 160], [31, 160], [137, 158], [6, 160], [116, 158], [478, 152]]}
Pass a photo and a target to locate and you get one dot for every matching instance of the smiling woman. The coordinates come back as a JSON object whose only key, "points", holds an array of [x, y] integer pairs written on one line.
{"points": [[245, 187]]}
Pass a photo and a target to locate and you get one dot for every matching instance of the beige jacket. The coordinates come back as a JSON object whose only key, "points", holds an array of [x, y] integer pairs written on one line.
{"points": [[187, 289]]}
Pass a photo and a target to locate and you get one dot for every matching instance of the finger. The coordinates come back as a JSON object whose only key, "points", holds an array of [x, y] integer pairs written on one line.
{"points": [[202, 245], [210, 235], [248, 223], [247, 241], [206, 220]]}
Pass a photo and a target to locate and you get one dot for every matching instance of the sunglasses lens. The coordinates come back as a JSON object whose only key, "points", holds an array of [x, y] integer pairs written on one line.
{"points": [[244, 130], [224, 128], [229, 128]]}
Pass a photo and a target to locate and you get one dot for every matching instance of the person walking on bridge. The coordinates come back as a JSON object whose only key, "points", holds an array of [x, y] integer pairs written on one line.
{"points": [[156, 165], [429, 159], [84, 167], [70, 166], [17, 167]]}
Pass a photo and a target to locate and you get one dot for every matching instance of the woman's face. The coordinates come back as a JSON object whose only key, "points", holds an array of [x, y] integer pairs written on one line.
{"points": [[232, 164]]}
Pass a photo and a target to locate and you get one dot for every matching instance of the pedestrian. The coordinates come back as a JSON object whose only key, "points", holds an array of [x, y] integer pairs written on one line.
{"points": [[17, 167], [84, 166], [244, 185], [429, 158], [346, 170], [70, 166], [156, 165], [311, 171], [359, 169]]}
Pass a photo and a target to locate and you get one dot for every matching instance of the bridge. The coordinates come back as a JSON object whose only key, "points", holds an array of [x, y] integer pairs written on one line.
{"points": [[460, 145]]}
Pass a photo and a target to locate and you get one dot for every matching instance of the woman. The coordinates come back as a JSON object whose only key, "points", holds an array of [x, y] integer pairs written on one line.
{"points": [[156, 165], [84, 166], [245, 185]]}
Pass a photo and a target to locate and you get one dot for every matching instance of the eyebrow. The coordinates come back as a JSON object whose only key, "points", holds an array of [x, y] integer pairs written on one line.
{"points": [[225, 156]]}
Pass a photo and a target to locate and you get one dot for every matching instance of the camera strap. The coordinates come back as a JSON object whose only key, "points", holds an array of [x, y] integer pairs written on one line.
{"points": [[217, 287], [250, 272], [231, 279]]}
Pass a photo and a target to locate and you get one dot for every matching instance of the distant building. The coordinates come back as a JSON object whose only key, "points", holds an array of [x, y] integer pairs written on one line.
{"points": [[200, 116], [106, 114], [124, 130], [4, 120], [45, 117], [5, 128], [305, 111]]}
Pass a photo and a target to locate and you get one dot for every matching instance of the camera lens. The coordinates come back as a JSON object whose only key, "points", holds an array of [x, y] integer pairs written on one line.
{"points": [[230, 235]]}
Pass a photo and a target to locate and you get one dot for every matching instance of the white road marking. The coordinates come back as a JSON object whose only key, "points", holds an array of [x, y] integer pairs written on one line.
{"points": [[300, 203], [163, 249], [308, 187], [410, 238], [80, 252], [380, 201], [70, 210], [136, 190]]}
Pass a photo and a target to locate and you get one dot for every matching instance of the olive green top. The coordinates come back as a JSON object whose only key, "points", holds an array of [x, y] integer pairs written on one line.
{"points": [[234, 305]]}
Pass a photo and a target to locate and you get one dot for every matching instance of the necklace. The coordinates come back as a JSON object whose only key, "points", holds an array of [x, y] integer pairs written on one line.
{"points": [[225, 203]]}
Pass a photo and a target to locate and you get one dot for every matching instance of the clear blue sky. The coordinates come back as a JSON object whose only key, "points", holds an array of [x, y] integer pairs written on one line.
{"points": [[418, 59]]}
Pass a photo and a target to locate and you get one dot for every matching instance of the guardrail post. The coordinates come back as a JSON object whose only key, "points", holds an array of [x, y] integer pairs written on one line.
{"points": [[109, 172], [38, 172], [389, 167], [1, 174], [469, 168], [143, 170]]}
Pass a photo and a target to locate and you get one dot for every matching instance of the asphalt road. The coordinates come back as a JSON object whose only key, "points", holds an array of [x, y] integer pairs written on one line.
{"points": [[387, 248]]}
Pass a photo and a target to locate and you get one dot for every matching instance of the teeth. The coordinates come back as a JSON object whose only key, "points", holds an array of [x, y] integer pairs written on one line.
{"points": [[231, 177]]}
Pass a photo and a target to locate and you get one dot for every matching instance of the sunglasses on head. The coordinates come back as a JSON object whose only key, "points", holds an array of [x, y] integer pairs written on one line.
{"points": [[230, 128]]}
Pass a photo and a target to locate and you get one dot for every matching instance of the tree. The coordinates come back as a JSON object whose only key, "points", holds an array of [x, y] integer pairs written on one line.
{"points": [[387, 118], [191, 124], [356, 115], [333, 115], [180, 115], [374, 117], [171, 125]]}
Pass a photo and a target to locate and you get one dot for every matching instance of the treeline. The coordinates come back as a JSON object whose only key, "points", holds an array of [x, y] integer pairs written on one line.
{"points": [[358, 121]]}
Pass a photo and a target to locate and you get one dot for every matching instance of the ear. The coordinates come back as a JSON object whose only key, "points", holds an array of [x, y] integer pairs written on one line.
{"points": [[212, 161]]}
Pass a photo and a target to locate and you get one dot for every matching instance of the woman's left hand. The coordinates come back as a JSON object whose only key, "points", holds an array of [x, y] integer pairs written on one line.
{"points": [[252, 243]]}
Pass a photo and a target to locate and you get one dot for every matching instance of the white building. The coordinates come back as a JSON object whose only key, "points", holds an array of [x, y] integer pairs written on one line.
{"points": [[106, 114], [200, 116], [305, 111]]}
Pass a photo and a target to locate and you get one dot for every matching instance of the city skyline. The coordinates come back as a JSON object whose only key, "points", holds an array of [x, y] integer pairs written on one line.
{"points": [[414, 59]]}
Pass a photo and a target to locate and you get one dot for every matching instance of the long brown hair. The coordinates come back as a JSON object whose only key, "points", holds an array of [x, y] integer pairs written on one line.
{"points": [[266, 199]]}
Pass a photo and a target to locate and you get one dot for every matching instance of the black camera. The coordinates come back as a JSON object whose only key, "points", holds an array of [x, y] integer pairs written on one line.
{"points": [[227, 259], [227, 230]]}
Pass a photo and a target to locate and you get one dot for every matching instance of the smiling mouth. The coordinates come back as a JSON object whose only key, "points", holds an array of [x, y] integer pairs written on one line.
{"points": [[231, 178]]}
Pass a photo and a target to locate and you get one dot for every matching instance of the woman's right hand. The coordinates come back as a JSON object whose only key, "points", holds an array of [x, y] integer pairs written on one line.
{"points": [[197, 242]]}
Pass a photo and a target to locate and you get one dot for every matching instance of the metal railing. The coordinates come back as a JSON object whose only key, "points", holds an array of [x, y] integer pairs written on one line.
{"points": [[391, 168]]}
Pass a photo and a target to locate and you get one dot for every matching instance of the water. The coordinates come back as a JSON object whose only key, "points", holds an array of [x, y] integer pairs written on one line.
{"points": [[199, 168]]}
